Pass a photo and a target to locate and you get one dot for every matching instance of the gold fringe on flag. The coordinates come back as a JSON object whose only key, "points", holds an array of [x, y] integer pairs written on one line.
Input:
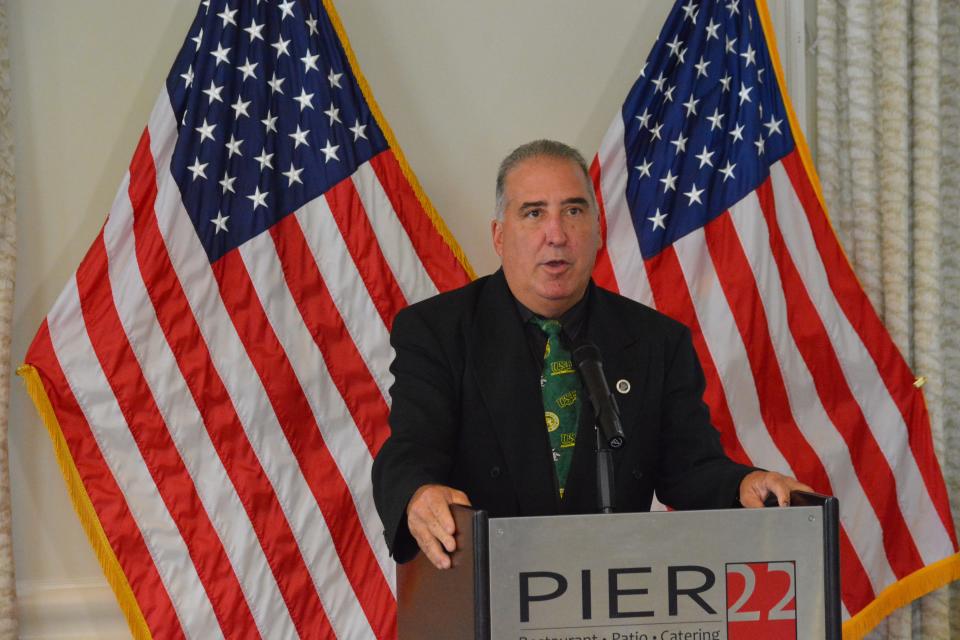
{"points": [[84, 507], [435, 218]]}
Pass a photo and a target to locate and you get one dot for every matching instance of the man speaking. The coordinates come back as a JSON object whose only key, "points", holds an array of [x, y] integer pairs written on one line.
{"points": [[488, 409]]}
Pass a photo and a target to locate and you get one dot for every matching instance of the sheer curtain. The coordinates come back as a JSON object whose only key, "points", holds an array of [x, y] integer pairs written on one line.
{"points": [[888, 154], [8, 254]]}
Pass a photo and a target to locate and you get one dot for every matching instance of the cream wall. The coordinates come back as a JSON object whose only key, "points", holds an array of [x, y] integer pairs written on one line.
{"points": [[460, 82]]}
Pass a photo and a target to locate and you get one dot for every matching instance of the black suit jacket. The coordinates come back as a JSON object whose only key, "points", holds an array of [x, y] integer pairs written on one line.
{"points": [[467, 412]]}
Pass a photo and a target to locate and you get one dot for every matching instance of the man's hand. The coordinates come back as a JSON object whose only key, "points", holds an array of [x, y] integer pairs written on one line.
{"points": [[756, 485], [431, 523]]}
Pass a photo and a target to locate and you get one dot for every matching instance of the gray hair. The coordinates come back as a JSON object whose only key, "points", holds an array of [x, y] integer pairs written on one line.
{"points": [[540, 149]]}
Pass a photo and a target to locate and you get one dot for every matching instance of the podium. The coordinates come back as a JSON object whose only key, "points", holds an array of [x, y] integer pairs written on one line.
{"points": [[693, 575]]}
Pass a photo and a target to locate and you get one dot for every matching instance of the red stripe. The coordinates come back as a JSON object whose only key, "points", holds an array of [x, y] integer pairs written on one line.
{"points": [[812, 340], [347, 368], [672, 297], [303, 433], [173, 482], [435, 254], [112, 511], [215, 405], [603, 269], [375, 271], [890, 364]]}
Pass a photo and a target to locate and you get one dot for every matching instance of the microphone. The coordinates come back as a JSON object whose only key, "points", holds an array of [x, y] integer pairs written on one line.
{"points": [[586, 357]]}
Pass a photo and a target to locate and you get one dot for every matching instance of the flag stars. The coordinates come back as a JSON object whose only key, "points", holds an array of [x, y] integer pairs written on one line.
{"points": [[197, 39], [712, 30], [265, 159], [744, 94], [750, 56], [293, 175], [270, 122], [737, 133], [691, 106], [668, 93], [358, 131], [248, 69], [312, 25], [680, 143], [281, 46], [644, 118], [300, 137], [658, 219], [305, 99], [758, 143], [658, 82], [730, 44], [334, 79], [644, 169], [669, 181], [233, 146], [690, 11], [276, 83], [206, 130], [286, 9], [701, 67], [220, 222], [733, 7], [227, 183], [674, 46], [240, 108], [694, 195], [725, 81], [198, 169], [255, 30], [258, 198], [716, 120], [227, 16], [773, 126], [310, 62], [330, 151], [334, 114], [213, 93], [705, 157], [188, 77], [655, 132], [727, 171], [221, 54], [682, 56], [760, 75]]}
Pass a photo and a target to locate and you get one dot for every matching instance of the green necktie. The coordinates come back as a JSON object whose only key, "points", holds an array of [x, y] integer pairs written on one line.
{"points": [[560, 386]]}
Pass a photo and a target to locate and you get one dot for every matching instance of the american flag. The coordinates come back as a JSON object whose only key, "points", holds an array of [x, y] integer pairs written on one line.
{"points": [[713, 215], [215, 375]]}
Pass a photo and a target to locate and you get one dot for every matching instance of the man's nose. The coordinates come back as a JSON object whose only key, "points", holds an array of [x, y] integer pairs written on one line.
{"points": [[556, 230]]}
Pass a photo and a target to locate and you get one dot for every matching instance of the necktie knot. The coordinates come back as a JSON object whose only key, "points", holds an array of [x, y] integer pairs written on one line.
{"points": [[550, 327]]}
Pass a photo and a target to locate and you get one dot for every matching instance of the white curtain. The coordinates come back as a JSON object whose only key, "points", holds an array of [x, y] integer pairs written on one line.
{"points": [[888, 154], [8, 255]]}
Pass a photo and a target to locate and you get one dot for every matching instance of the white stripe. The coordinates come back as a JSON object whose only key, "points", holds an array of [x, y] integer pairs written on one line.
{"points": [[622, 245], [243, 383], [414, 281], [347, 290], [340, 433], [728, 352], [866, 383], [865, 531], [89, 385], [186, 427]]}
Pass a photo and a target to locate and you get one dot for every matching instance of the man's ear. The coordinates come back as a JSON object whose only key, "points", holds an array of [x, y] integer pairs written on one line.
{"points": [[496, 232]]}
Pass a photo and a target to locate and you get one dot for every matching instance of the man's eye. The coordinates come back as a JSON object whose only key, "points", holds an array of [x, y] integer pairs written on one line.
{"points": [[532, 213], [574, 211]]}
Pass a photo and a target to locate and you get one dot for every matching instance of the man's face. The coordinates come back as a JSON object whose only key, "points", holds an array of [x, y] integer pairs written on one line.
{"points": [[549, 236]]}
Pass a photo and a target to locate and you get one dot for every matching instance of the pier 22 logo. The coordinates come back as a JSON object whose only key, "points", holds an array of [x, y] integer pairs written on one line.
{"points": [[761, 601]]}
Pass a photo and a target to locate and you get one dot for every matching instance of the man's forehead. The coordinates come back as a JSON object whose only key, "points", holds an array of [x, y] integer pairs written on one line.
{"points": [[545, 171]]}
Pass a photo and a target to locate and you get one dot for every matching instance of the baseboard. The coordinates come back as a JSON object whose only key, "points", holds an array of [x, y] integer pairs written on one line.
{"points": [[49, 610]]}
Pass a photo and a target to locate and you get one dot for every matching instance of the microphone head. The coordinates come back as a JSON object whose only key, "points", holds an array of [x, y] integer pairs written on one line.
{"points": [[586, 352]]}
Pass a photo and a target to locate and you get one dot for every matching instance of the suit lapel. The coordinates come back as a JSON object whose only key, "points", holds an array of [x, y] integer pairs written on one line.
{"points": [[509, 385]]}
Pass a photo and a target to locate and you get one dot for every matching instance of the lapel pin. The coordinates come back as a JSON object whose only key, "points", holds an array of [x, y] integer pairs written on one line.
{"points": [[623, 386]]}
